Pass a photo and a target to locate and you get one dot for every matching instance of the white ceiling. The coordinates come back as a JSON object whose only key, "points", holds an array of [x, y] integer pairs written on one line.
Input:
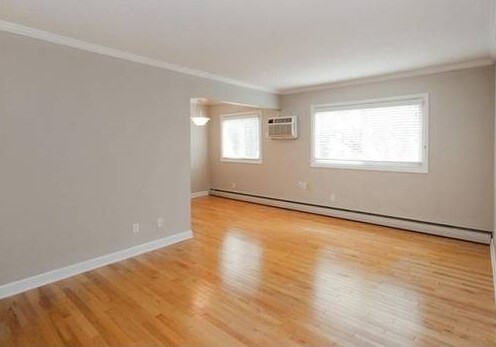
{"points": [[276, 44]]}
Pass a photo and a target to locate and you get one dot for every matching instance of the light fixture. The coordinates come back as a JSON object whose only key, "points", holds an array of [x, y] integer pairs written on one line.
{"points": [[198, 116], [200, 121]]}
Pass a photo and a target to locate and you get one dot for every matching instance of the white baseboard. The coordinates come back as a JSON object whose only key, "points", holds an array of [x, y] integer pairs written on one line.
{"points": [[493, 264], [198, 194], [423, 227], [23, 285]]}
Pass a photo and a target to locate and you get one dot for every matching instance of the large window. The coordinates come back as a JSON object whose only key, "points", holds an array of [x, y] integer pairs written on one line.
{"points": [[386, 134], [240, 137]]}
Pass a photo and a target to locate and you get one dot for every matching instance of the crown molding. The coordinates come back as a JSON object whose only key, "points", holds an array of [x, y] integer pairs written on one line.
{"points": [[393, 76], [115, 53], [103, 50]]}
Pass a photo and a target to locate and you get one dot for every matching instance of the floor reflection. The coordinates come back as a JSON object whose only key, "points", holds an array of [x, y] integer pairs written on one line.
{"points": [[267, 275], [353, 295], [240, 261], [202, 296]]}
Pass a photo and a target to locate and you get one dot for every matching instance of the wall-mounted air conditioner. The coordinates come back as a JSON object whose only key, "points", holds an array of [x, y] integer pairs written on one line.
{"points": [[282, 128]]}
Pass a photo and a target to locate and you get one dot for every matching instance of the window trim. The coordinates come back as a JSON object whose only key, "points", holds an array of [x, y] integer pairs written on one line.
{"points": [[423, 167], [239, 115]]}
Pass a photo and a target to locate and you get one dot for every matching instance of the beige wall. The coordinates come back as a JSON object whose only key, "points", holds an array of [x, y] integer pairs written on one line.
{"points": [[89, 145], [200, 171], [223, 174], [456, 191]]}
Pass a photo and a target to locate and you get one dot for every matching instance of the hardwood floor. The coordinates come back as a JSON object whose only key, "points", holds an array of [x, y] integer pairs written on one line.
{"points": [[256, 275]]}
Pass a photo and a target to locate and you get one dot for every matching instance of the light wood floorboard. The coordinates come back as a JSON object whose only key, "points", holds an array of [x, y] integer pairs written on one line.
{"points": [[261, 276]]}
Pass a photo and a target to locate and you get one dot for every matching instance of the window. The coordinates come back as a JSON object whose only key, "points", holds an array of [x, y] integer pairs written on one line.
{"points": [[386, 135], [240, 137]]}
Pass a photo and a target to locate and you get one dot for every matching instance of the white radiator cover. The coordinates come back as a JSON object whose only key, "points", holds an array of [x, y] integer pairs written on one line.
{"points": [[418, 226]]}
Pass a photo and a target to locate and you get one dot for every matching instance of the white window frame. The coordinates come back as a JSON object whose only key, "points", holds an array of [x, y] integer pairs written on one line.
{"points": [[422, 167], [237, 116]]}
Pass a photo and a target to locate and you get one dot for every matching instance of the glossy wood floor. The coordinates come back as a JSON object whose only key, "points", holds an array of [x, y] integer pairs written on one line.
{"points": [[256, 275]]}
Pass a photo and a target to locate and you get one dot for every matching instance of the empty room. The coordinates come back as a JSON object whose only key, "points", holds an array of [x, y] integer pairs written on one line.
{"points": [[247, 173]]}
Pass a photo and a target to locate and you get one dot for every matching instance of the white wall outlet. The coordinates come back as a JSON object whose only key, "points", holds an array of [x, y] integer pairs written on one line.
{"points": [[160, 222], [302, 185], [332, 197], [136, 228], [233, 185]]}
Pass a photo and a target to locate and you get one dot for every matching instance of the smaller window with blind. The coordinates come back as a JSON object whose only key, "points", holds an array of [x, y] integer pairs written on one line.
{"points": [[382, 134], [241, 137]]}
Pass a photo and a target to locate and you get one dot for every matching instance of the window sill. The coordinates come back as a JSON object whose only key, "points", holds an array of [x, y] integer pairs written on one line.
{"points": [[241, 161], [386, 167]]}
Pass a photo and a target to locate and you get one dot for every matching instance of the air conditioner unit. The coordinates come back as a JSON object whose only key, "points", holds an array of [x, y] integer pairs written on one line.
{"points": [[282, 128]]}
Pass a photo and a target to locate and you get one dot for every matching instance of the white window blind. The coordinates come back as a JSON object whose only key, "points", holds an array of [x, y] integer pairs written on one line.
{"points": [[240, 136], [383, 134]]}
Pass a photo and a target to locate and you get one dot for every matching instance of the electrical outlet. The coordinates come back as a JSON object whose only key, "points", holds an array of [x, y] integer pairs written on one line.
{"points": [[233, 185], [302, 185], [332, 197], [136, 228], [160, 222]]}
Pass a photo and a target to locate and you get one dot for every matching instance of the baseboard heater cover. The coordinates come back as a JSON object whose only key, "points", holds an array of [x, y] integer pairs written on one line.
{"points": [[477, 236]]}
